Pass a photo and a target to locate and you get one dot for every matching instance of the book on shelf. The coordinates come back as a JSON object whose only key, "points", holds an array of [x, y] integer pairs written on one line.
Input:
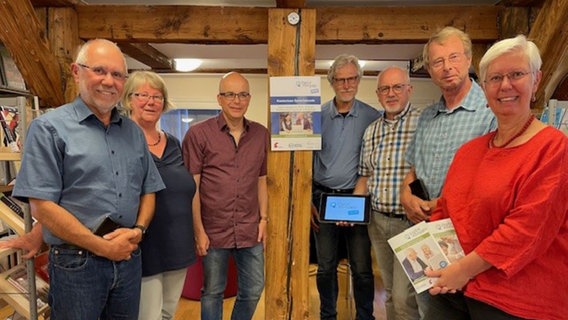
{"points": [[9, 119], [12, 204], [553, 120], [12, 219], [431, 245], [556, 115], [17, 277], [563, 123], [11, 75]]}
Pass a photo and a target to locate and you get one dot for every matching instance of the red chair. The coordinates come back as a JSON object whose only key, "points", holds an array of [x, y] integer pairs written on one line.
{"points": [[194, 280]]}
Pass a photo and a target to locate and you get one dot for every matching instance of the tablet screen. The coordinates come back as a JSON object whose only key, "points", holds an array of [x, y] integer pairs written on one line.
{"points": [[345, 207]]}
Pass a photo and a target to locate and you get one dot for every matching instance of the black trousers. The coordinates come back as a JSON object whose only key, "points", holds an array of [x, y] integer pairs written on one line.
{"points": [[459, 307]]}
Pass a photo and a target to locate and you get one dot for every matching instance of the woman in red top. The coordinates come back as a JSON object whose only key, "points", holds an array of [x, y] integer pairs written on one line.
{"points": [[507, 195]]}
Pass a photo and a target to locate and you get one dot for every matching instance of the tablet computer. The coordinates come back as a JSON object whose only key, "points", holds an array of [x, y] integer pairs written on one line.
{"points": [[350, 208]]}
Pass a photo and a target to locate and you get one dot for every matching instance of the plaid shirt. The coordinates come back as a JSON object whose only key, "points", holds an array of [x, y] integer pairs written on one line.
{"points": [[382, 158], [441, 132]]}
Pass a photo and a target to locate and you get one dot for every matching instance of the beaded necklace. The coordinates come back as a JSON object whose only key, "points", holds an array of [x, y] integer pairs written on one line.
{"points": [[523, 129], [157, 142]]}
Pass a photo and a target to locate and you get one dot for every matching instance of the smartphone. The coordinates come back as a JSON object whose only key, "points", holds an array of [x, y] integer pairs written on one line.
{"points": [[106, 226], [418, 189]]}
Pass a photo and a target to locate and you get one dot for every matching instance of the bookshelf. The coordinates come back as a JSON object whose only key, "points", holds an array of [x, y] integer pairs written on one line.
{"points": [[19, 286], [556, 114], [15, 291]]}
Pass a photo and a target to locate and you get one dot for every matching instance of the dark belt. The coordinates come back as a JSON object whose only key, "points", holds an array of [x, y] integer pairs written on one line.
{"points": [[68, 246], [330, 190], [392, 215]]}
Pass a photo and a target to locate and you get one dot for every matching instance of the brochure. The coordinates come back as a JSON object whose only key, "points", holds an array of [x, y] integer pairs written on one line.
{"points": [[433, 244]]}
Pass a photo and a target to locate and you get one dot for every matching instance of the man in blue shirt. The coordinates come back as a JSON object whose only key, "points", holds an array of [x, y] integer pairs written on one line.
{"points": [[459, 116], [344, 120], [84, 164]]}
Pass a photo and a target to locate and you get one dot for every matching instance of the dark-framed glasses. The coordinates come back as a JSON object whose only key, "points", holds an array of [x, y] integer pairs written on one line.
{"points": [[232, 95], [513, 76], [453, 58], [397, 88], [144, 97], [102, 72], [342, 81]]}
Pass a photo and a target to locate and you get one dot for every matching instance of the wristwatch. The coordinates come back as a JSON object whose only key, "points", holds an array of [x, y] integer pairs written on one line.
{"points": [[142, 228]]}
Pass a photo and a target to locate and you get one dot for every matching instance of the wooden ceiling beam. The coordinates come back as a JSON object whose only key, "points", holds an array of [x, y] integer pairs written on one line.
{"points": [[403, 24], [55, 3], [290, 3], [514, 21], [521, 3], [29, 48], [550, 33], [239, 25], [174, 24], [148, 55]]}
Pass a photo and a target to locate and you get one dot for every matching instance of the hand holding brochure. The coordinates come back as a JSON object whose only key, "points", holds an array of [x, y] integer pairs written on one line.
{"points": [[423, 245]]}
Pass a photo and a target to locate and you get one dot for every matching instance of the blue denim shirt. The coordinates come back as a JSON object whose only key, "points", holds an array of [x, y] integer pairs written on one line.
{"points": [[71, 159], [441, 132], [336, 164]]}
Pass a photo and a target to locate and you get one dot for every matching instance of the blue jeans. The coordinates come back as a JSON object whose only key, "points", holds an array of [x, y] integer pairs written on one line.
{"points": [[402, 302], [359, 255], [250, 278], [88, 287]]}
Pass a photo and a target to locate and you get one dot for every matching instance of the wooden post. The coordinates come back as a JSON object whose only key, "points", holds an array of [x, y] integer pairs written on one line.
{"points": [[63, 35], [291, 51]]}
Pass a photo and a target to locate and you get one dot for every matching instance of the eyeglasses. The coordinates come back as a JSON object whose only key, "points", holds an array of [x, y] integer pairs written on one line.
{"points": [[232, 95], [102, 72], [513, 76], [342, 81], [144, 97], [454, 58], [397, 88]]}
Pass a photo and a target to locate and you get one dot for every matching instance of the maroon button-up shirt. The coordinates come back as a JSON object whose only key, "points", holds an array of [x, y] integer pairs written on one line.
{"points": [[229, 179]]}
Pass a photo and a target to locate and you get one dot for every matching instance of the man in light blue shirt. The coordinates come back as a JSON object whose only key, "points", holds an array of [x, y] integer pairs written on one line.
{"points": [[459, 116], [344, 120]]}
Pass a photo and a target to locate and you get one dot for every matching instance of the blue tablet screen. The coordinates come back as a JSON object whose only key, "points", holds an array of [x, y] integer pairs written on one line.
{"points": [[345, 208]]}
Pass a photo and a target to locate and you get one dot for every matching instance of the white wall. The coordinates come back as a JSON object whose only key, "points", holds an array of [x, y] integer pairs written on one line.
{"points": [[199, 91]]}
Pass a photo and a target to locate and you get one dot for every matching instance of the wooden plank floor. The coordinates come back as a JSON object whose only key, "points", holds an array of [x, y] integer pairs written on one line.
{"points": [[190, 310]]}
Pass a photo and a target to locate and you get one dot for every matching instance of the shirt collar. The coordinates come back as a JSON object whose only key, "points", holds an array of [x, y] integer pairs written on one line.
{"points": [[399, 116], [354, 111], [222, 124], [467, 103], [84, 113]]}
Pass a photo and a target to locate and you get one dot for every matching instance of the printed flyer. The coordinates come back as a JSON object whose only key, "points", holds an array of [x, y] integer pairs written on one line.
{"points": [[295, 113]]}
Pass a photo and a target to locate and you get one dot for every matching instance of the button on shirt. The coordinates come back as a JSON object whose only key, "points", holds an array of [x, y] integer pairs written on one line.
{"points": [[441, 132], [335, 165], [91, 170], [228, 186], [382, 158]]}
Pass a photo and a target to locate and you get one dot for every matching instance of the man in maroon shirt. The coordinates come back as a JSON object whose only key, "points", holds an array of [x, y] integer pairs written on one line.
{"points": [[227, 157]]}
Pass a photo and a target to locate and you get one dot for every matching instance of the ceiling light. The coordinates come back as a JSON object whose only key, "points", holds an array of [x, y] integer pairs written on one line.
{"points": [[186, 120], [186, 65]]}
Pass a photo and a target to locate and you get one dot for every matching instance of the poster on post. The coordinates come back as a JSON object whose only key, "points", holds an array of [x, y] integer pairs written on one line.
{"points": [[295, 113]]}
